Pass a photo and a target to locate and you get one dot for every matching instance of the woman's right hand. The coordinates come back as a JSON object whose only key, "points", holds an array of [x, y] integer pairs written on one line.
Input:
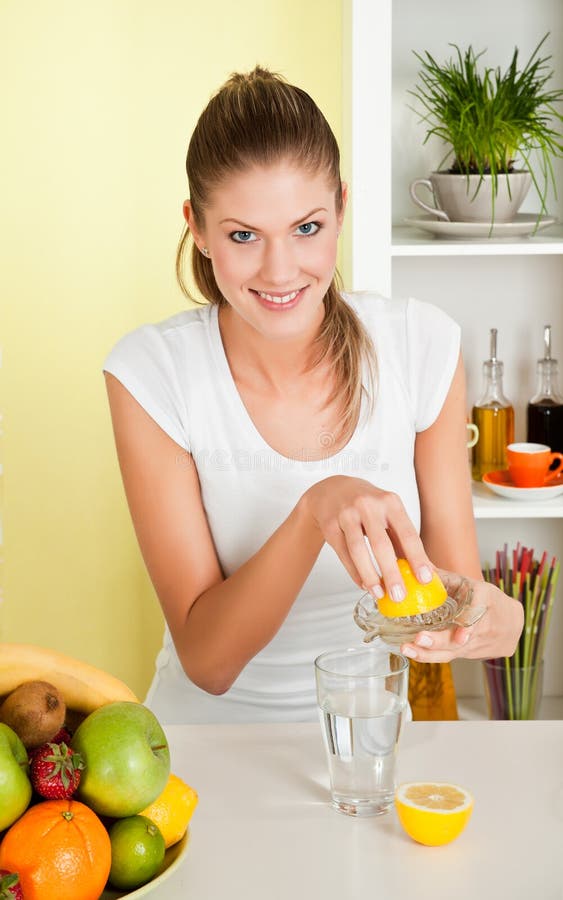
{"points": [[348, 510]]}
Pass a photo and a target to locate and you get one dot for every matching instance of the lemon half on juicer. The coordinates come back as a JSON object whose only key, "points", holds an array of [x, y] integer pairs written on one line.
{"points": [[444, 602], [420, 598]]}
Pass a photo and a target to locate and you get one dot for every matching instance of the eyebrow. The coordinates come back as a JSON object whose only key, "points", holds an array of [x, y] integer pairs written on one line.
{"points": [[304, 218]]}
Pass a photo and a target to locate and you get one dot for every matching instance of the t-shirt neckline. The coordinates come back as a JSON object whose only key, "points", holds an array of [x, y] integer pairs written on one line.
{"points": [[246, 418]]}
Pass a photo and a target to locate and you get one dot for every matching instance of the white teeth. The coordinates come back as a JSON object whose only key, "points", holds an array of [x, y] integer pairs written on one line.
{"points": [[285, 299]]}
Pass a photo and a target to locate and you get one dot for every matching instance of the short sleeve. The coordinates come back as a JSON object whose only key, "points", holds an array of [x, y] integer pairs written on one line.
{"points": [[143, 363], [433, 340]]}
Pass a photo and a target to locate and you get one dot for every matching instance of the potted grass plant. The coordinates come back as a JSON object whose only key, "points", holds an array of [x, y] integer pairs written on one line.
{"points": [[496, 125]]}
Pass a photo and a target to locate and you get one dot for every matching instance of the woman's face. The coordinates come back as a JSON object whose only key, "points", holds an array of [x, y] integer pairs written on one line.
{"points": [[271, 233]]}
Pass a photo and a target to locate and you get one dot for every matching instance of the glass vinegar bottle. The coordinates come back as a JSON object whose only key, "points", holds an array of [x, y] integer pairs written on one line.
{"points": [[545, 409], [494, 417]]}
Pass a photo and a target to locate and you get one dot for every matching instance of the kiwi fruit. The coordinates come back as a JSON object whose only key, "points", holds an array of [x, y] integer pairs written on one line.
{"points": [[35, 710]]}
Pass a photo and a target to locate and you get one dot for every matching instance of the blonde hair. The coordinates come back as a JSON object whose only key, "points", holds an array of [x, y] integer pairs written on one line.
{"points": [[259, 119]]}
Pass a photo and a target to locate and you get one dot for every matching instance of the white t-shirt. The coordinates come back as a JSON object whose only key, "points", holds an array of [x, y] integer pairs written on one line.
{"points": [[178, 371]]}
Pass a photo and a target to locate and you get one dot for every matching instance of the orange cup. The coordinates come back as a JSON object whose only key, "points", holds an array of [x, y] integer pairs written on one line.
{"points": [[530, 464]]}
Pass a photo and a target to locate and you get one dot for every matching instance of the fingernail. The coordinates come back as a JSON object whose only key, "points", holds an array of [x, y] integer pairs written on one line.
{"points": [[398, 592], [424, 641], [424, 574], [410, 652], [377, 591]]}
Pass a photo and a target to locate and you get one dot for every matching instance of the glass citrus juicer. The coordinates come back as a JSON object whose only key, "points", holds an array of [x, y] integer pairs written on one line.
{"points": [[456, 610]]}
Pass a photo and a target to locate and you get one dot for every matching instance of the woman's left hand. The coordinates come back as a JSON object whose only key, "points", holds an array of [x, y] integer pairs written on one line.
{"points": [[495, 634]]}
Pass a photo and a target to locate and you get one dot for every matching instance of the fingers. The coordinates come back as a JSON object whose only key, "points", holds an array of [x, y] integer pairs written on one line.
{"points": [[350, 544], [365, 525], [407, 543], [440, 646], [388, 527], [493, 635], [337, 541], [371, 549]]}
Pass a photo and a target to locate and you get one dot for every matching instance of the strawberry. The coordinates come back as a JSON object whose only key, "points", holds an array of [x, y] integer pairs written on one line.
{"points": [[55, 771], [10, 887], [62, 737]]}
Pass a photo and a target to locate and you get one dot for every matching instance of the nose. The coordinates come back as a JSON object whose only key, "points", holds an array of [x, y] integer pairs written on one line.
{"points": [[279, 266]]}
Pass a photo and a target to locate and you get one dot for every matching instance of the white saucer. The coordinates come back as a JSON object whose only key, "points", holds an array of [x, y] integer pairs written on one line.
{"points": [[523, 225], [500, 483]]}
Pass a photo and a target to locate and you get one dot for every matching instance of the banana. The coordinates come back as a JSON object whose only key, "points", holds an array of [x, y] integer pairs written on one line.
{"points": [[83, 686]]}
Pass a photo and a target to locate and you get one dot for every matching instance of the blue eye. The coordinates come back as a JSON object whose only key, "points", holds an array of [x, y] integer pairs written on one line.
{"points": [[309, 228], [243, 237]]}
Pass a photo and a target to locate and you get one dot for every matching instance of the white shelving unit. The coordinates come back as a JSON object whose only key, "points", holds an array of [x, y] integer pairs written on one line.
{"points": [[410, 241], [515, 285], [487, 505]]}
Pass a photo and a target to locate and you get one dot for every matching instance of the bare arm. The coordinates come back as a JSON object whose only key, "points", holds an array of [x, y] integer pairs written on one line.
{"points": [[444, 485], [217, 625], [449, 536]]}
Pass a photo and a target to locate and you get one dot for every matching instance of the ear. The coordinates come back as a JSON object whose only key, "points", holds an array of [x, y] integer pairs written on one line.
{"points": [[340, 217], [189, 217]]}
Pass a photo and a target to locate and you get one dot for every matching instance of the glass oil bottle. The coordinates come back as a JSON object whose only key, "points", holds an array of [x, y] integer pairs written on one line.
{"points": [[545, 409], [494, 417]]}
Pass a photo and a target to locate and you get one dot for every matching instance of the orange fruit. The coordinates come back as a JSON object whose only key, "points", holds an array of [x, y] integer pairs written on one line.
{"points": [[173, 809], [433, 813], [420, 598], [60, 850]]}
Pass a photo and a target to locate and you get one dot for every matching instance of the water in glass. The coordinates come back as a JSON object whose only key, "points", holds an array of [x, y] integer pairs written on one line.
{"points": [[361, 733]]}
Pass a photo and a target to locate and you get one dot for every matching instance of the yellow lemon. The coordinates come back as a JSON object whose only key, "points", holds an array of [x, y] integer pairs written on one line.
{"points": [[433, 813], [420, 598], [173, 809]]}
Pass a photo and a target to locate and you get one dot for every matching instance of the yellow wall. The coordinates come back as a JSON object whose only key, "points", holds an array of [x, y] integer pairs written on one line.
{"points": [[99, 100]]}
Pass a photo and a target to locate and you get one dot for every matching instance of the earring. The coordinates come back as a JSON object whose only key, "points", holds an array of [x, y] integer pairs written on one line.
{"points": [[205, 251]]}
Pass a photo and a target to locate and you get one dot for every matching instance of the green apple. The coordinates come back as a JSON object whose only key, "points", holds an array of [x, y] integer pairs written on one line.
{"points": [[126, 759], [15, 786]]}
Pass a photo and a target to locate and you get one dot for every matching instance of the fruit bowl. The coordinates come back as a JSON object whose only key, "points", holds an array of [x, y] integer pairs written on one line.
{"points": [[456, 610], [173, 859]]}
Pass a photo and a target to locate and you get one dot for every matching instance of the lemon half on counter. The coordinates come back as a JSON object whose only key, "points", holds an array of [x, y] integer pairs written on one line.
{"points": [[433, 813]]}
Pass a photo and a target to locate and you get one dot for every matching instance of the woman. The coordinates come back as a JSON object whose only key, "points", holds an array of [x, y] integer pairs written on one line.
{"points": [[278, 442]]}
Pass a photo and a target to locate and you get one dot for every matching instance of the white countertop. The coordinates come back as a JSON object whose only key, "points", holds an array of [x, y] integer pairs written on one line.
{"points": [[264, 829]]}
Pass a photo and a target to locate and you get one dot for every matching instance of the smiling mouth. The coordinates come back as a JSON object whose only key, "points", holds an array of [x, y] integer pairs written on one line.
{"points": [[280, 299]]}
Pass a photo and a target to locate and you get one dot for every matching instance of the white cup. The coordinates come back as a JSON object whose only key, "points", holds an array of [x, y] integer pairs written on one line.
{"points": [[469, 198], [474, 431]]}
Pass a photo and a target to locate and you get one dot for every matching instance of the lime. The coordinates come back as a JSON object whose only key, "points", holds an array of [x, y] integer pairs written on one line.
{"points": [[137, 851]]}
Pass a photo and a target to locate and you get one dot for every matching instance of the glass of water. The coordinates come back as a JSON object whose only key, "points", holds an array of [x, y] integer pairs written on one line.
{"points": [[362, 699]]}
